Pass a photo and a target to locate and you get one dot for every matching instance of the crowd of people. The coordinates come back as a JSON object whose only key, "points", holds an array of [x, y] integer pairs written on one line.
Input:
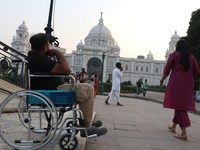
{"points": [[83, 77]]}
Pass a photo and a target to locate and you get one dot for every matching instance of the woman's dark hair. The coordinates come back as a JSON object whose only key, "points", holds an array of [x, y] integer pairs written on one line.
{"points": [[183, 48], [38, 41]]}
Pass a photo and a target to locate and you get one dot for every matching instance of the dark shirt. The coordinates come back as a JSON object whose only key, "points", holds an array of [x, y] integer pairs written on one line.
{"points": [[42, 63], [139, 84]]}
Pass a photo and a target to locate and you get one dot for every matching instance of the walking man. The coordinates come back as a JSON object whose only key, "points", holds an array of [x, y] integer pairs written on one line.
{"points": [[115, 92]]}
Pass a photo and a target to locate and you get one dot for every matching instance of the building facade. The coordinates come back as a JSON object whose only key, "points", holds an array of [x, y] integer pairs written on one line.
{"points": [[99, 44]]}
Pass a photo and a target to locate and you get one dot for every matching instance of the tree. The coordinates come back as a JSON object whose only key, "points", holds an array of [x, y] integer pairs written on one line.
{"points": [[193, 34]]}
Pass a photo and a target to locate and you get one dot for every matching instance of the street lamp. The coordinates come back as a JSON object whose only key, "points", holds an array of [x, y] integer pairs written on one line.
{"points": [[101, 88], [48, 29]]}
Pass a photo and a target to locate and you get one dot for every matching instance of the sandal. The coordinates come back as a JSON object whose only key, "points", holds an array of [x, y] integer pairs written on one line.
{"points": [[181, 137], [171, 129]]}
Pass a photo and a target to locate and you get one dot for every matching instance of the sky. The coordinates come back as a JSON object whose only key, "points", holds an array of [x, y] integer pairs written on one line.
{"points": [[138, 26]]}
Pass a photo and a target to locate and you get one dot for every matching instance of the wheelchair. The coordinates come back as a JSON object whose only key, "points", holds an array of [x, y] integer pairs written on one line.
{"points": [[30, 119]]}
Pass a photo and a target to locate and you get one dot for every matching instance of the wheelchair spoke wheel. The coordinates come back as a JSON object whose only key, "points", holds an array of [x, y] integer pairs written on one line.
{"points": [[70, 124], [64, 140], [28, 120]]}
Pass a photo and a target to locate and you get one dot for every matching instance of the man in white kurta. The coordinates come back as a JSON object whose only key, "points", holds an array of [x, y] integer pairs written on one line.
{"points": [[115, 92]]}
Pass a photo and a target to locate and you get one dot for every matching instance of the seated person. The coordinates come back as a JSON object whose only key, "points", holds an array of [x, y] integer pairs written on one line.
{"points": [[39, 61]]}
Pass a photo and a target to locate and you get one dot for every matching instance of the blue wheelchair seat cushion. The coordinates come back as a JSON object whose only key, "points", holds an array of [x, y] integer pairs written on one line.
{"points": [[58, 97]]}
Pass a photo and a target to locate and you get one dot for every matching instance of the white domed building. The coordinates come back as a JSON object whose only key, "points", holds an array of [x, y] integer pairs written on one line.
{"points": [[88, 55], [21, 40], [172, 45], [99, 41]]}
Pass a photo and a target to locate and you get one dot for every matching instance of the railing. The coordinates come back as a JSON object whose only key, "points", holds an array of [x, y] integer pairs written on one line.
{"points": [[12, 66]]}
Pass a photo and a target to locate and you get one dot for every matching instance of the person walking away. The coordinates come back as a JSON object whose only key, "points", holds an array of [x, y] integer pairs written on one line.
{"points": [[96, 85], [139, 84], [115, 92], [179, 94], [145, 87]]}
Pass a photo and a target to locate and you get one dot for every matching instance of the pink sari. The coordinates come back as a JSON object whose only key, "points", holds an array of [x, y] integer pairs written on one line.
{"points": [[96, 86]]}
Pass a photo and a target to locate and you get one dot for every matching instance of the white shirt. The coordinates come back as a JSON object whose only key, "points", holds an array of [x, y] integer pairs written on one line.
{"points": [[116, 76]]}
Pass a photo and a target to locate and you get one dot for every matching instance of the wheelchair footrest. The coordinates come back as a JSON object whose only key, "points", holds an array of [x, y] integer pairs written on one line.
{"points": [[23, 141], [92, 136]]}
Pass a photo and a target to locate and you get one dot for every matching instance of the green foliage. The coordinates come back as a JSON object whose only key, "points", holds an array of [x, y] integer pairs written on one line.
{"points": [[128, 89], [126, 83], [193, 34], [124, 88], [107, 87], [157, 88], [132, 89]]}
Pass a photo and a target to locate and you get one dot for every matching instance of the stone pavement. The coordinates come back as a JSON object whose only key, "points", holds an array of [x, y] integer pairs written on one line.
{"points": [[155, 97], [141, 125], [138, 125]]}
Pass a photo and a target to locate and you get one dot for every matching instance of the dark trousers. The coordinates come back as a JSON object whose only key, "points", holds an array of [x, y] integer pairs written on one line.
{"points": [[144, 92]]}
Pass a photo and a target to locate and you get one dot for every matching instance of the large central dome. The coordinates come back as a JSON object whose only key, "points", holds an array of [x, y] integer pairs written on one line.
{"points": [[100, 29], [100, 35]]}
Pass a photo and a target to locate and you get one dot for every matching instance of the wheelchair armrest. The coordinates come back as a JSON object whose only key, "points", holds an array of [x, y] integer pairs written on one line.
{"points": [[46, 73], [56, 75]]}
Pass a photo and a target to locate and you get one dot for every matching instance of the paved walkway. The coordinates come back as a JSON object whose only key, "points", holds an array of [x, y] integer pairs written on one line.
{"points": [[155, 97], [141, 125]]}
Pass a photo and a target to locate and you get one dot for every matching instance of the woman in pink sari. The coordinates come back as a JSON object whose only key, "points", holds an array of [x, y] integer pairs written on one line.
{"points": [[179, 94], [96, 85]]}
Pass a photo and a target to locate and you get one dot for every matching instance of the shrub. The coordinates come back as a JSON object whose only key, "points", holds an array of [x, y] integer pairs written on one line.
{"points": [[131, 89]]}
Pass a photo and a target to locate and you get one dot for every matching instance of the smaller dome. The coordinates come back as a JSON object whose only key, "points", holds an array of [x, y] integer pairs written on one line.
{"points": [[23, 27], [175, 37], [150, 56], [116, 47], [80, 43]]}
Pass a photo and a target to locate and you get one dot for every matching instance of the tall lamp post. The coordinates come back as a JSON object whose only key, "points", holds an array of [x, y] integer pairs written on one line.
{"points": [[48, 29], [101, 88]]}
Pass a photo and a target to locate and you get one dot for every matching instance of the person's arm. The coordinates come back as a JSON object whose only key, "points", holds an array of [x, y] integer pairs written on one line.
{"points": [[162, 80], [62, 65], [167, 69]]}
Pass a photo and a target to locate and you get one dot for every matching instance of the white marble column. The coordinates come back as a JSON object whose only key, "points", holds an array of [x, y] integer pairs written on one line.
{"points": [[85, 62], [151, 73], [105, 77]]}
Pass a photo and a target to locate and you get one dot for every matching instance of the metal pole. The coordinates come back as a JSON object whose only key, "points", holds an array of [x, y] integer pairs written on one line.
{"points": [[101, 88], [48, 29]]}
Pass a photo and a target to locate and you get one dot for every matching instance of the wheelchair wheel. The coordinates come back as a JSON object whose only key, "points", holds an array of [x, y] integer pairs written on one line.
{"points": [[28, 120], [23, 115], [63, 142], [70, 124]]}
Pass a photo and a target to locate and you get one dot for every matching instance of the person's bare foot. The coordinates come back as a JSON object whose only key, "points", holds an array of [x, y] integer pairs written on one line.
{"points": [[119, 104], [106, 101]]}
